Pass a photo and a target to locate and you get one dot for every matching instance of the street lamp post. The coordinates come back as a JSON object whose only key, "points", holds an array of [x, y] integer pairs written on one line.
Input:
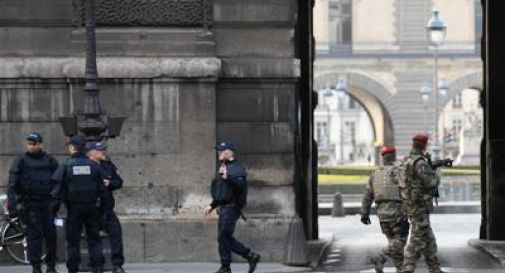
{"points": [[327, 93], [92, 125], [425, 95], [443, 87], [91, 122], [436, 31], [341, 88]]}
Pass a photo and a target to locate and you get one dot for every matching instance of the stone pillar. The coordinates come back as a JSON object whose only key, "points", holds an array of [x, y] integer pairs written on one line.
{"points": [[495, 99]]}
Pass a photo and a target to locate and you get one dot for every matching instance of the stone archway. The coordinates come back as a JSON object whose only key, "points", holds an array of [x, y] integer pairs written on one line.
{"points": [[471, 80], [372, 95], [465, 150]]}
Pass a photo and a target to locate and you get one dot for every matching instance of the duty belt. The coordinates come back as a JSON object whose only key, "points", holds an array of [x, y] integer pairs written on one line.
{"points": [[232, 205]]}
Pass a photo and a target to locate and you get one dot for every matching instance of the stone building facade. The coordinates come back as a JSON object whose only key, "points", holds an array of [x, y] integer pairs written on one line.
{"points": [[182, 89], [380, 48]]}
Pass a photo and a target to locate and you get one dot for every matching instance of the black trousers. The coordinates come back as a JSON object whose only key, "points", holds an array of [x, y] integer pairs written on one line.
{"points": [[87, 216], [113, 228], [38, 224], [228, 217]]}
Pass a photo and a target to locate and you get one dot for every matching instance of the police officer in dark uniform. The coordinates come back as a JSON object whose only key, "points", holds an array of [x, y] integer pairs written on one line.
{"points": [[229, 194], [82, 188], [97, 152], [29, 197]]}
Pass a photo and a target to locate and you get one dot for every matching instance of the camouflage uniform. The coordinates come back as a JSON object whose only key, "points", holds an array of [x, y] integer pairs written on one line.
{"points": [[417, 192], [383, 188]]}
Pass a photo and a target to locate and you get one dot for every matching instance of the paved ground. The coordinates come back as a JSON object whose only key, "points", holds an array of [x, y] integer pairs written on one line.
{"points": [[179, 268], [356, 242]]}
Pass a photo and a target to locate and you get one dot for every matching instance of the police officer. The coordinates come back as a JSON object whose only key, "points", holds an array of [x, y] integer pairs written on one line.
{"points": [[81, 187], [97, 152], [417, 190], [29, 197], [229, 193], [383, 188]]}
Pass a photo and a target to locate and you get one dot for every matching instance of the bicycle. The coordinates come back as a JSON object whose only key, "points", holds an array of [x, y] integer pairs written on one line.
{"points": [[13, 237]]}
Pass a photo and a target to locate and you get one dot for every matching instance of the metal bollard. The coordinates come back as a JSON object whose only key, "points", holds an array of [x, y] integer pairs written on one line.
{"points": [[338, 206]]}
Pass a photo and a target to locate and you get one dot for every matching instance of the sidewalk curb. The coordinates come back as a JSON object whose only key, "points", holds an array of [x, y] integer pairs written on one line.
{"points": [[325, 209], [495, 249], [324, 251]]}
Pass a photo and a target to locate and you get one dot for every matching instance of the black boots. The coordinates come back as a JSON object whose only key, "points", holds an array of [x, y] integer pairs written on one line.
{"points": [[378, 264], [36, 269], [118, 269], [51, 269], [253, 259], [224, 269]]}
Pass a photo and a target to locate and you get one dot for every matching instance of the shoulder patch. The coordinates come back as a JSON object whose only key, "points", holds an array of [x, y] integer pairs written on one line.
{"points": [[81, 170]]}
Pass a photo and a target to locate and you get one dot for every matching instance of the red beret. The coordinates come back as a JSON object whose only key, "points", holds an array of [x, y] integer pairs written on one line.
{"points": [[388, 150], [421, 138]]}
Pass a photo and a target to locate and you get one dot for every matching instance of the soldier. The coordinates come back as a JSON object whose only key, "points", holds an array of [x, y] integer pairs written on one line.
{"points": [[229, 193], [97, 152], [419, 183], [29, 197], [383, 188], [81, 187]]}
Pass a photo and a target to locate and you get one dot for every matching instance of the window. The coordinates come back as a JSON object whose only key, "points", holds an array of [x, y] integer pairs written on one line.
{"points": [[457, 102], [351, 127], [352, 103], [457, 125], [340, 23], [341, 103], [478, 23], [321, 132]]}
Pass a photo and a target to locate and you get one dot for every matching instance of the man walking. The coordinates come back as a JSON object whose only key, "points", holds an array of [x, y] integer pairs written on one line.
{"points": [[417, 190], [97, 151], [229, 194], [81, 187], [383, 188], [29, 197]]}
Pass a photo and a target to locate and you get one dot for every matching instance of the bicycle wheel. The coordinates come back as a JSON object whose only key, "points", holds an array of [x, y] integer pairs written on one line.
{"points": [[14, 240]]}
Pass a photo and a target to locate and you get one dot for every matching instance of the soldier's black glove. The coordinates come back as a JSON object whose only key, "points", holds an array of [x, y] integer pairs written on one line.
{"points": [[13, 213], [365, 219]]}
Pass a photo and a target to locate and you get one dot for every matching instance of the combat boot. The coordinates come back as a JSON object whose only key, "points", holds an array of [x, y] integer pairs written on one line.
{"points": [[253, 259], [224, 269], [36, 269], [118, 269], [51, 269], [378, 264]]}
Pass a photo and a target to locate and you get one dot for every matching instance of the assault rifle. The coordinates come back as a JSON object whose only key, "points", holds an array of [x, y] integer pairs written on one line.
{"points": [[439, 163]]}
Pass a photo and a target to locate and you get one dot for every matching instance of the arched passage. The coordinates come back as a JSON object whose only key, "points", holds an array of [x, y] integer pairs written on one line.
{"points": [[471, 80], [372, 95], [461, 120]]}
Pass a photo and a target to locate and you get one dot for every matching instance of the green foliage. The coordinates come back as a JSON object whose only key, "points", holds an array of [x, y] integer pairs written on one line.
{"points": [[360, 174]]}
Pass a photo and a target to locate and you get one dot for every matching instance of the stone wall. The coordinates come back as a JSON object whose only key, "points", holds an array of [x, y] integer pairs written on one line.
{"points": [[181, 91]]}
